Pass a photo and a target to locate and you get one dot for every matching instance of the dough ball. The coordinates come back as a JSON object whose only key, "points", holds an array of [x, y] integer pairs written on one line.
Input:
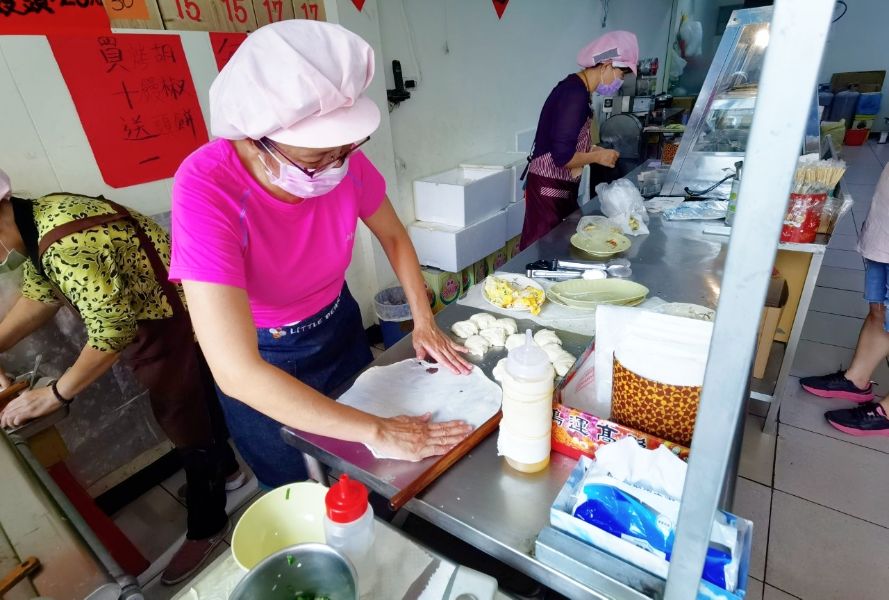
{"points": [[464, 329], [499, 370], [553, 351], [563, 363], [483, 320], [546, 336], [495, 336], [509, 325], [477, 345], [515, 340]]}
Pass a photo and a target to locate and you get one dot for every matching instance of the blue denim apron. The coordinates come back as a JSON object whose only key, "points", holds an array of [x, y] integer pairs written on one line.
{"points": [[322, 351]]}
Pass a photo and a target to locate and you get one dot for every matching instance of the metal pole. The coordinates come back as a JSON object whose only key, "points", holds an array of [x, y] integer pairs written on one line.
{"points": [[797, 35]]}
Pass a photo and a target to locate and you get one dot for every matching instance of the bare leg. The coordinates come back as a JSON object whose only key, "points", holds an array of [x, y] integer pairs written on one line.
{"points": [[873, 346]]}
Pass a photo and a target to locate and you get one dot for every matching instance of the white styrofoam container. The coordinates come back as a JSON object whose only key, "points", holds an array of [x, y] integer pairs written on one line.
{"points": [[461, 197], [515, 218], [513, 161], [455, 248]]}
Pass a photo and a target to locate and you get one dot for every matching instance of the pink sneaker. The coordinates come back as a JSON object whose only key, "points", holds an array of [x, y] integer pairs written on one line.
{"points": [[190, 556]]}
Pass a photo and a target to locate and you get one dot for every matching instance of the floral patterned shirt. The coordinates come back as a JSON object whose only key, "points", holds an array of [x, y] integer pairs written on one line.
{"points": [[102, 271]]}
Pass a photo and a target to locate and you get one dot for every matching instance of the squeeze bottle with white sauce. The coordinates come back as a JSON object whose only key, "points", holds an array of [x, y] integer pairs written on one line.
{"points": [[524, 438], [349, 527]]}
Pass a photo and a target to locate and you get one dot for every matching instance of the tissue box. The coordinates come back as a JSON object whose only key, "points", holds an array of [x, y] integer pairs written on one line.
{"points": [[562, 518], [513, 162], [512, 247], [462, 197], [515, 218], [577, 433], [496, 259], [480, 271], [467, 280], [453, 249], [443, 288]]}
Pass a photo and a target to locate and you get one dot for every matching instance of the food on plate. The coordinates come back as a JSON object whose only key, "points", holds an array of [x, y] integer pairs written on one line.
{"points": [[464, 329], [546, 336], [483, 320], [553, 351], [506, 294], [509, 325], [499, 370], [515, 340], [477, 345], [496, 336], [563, 363]]}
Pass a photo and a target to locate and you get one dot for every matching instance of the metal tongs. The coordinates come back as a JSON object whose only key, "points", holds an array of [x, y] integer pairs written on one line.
{"points": [[572, 269]]}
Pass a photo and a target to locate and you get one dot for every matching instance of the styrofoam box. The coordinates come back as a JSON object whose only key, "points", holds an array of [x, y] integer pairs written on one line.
{"points": [[454, 248], [514, 161], [461, 197], [515, 218]]}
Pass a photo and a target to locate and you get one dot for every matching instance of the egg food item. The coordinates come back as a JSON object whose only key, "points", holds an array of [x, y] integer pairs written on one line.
{"points": [[507, 294]]}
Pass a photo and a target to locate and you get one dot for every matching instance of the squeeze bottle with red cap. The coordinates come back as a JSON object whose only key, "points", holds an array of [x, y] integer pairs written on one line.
{"points": [[349, 527]]}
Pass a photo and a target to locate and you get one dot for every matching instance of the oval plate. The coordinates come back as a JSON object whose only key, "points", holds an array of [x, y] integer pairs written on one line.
{"points": [[518, 280], [580, 293], [601, 243]]}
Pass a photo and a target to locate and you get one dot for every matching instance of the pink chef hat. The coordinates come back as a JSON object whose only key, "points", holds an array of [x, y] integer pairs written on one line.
{"points": [[5, 185], [618, 47], [298, 82]]}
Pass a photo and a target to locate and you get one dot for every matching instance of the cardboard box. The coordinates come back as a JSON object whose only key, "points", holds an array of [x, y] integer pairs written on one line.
{"points": [[515, 162], [496, 259], [462, 197], [867, 81], [512, 247], [515, 218], [442, 287], [453, 249], [480, 270], [468, 280]]}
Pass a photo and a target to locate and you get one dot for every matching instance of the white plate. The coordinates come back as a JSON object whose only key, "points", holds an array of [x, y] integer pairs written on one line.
{"points": [[519, 280], [689, 311]]}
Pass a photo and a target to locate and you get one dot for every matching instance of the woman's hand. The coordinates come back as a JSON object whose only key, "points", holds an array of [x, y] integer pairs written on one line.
{"points": [[432, 342], [5, 380], [605, 157], [29, 405], [415, 438]]}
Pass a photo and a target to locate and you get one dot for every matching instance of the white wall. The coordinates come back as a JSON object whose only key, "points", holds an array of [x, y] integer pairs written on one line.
{"points": [[483, 79], [858, 42]]}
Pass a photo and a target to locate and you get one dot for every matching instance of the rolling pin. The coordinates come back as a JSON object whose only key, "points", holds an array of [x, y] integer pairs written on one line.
{"points": [[11, 579], [7, 395]]}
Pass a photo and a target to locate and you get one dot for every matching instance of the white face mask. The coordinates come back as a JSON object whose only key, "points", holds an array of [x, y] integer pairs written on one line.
{"points": [[14, 259], [293, 181]]}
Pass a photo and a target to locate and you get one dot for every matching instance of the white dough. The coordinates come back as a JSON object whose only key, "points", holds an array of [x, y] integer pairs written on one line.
{"points": [[495, 336], [553, 351], [546, 336], [464, 329], [499, 370], [483, 320], [477, 345], [515, 340], [508, 324], [563, 363]]}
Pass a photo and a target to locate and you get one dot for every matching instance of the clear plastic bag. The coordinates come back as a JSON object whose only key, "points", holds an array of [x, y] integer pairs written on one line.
{"points": [[623, 205], [697, 210]]}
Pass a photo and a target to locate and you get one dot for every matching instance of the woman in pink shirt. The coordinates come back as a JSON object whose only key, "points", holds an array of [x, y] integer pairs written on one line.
{"points": [[264, 222]]}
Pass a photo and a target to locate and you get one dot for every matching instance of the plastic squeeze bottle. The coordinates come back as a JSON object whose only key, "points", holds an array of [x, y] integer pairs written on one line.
{"points": [[524, 438], [349, 527]]}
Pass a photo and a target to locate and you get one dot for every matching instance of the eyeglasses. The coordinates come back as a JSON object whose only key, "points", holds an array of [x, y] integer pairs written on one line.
{"points": [[265, 143]]}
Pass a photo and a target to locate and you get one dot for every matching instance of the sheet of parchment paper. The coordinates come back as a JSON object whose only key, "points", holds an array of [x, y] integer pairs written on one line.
{"points": [[414, 387]]}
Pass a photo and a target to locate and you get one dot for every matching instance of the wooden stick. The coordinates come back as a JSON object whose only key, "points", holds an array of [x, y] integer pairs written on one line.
{"points": [[12, 578], [7, 395], [445, 462]]}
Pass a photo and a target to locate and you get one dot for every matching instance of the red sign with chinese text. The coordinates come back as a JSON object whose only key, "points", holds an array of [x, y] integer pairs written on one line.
{"points": [[43, 17], [224, 45], [136, 101]]}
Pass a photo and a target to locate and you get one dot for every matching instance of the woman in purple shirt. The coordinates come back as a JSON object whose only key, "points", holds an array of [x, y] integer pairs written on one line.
{"points": [[562, 145]]}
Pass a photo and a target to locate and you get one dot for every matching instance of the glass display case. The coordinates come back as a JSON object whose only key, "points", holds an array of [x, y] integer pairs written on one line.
{"points": [[716, 135]]}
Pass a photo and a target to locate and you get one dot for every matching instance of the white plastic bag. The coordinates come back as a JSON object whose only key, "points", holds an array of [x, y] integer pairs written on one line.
{"points": [[622, 203]]}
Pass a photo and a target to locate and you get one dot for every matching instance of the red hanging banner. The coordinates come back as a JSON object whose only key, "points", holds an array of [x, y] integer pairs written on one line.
{"points": [[224, 45], [500, 7], [47, 17], [359, 4], [136, 100]]}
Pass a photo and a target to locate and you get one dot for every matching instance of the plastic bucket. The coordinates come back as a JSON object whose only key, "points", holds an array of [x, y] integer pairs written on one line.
{"points": [[803, 218], [394, 314]]}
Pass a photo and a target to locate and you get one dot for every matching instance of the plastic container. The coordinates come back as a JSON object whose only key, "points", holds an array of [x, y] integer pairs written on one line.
{"points": [[856, 137], [869, 103], [803, 218], [844, 105], [394, 314], [524, 439], [349, 527], [825, 99]]}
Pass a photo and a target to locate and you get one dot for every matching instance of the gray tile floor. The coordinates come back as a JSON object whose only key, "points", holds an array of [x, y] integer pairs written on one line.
{"points": [[817, 497]]}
